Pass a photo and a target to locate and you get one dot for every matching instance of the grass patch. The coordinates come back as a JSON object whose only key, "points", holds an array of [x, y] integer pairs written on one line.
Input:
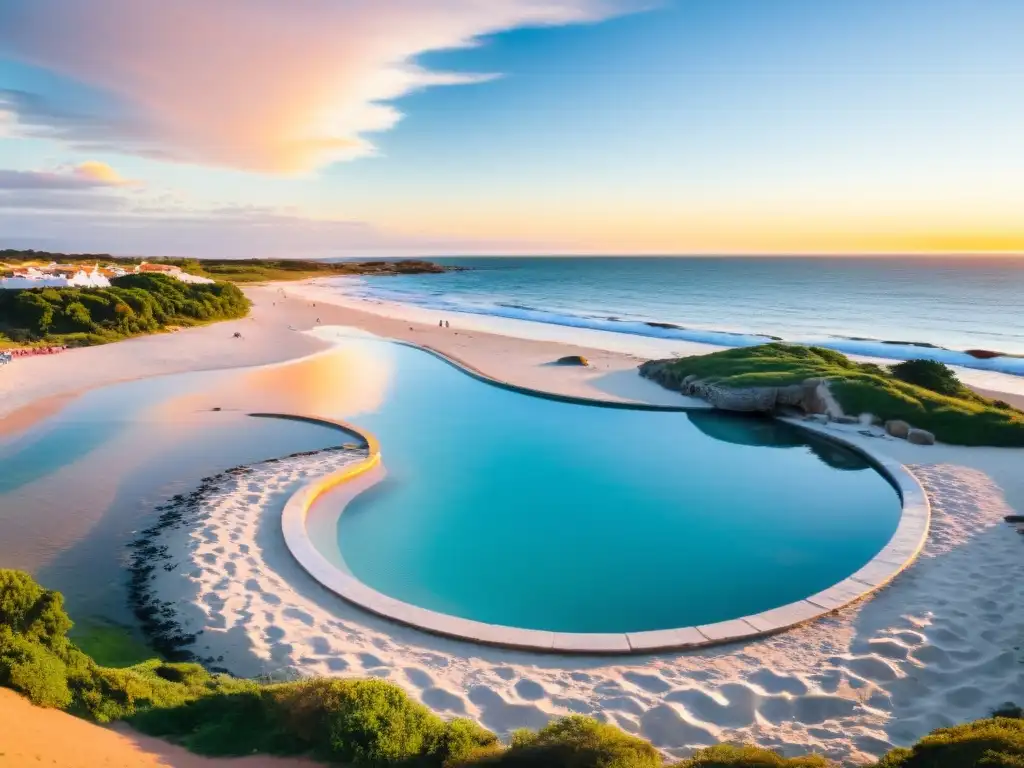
{"points": [[110, 645], [956, 415]]}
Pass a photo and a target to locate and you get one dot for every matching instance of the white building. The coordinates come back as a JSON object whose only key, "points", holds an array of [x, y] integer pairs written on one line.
{"points": [[55, 277], [64, 276]]}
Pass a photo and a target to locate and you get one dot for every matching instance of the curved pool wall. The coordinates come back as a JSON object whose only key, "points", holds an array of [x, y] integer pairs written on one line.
{"points": [[900, 551]]}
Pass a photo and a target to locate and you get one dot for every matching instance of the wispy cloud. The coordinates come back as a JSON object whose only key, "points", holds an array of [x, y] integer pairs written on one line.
{"points": [[88, 175], [260, 85]]}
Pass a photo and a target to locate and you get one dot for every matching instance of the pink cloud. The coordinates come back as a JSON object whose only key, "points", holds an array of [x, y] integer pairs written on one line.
{"points": [[88, 175], [262, 85]]}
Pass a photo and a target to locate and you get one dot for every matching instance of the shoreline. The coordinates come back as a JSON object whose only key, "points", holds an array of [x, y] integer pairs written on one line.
{"points": [[35, 388]]}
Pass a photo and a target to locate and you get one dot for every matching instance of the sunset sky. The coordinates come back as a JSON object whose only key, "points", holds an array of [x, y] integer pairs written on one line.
{"points": [[249, 128]]}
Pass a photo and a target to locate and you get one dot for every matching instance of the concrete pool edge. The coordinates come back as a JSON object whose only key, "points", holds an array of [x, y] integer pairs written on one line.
{"points": [[900, 551]]}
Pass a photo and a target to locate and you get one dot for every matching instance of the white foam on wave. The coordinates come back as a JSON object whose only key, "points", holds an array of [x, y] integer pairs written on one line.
{"points": [[654, 329]]}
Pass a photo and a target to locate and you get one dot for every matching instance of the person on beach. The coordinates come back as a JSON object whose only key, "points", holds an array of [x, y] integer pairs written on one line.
{"points": [[440, 323], [446, 324]]}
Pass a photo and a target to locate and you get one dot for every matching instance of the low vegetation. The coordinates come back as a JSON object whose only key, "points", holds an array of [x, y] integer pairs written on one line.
{"points": [[369, 722], [133, 305], [923, 393]]}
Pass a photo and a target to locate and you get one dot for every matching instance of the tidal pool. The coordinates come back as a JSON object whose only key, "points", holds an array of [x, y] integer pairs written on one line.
{"points": [[523, 511]]}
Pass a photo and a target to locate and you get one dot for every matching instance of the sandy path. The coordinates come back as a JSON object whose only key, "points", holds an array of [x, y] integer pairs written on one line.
{"points": [[34, 736]]}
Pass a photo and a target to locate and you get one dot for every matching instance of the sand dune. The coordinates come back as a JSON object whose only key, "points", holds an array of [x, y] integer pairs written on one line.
{"points": [[935, 648], [29, 736]]}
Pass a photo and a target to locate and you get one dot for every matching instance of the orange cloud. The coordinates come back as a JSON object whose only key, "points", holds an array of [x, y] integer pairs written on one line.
{"points": [[100, 173], [276, 87]]}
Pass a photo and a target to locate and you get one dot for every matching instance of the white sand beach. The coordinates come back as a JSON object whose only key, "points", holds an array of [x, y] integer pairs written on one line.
{"points": [[938, 646]]}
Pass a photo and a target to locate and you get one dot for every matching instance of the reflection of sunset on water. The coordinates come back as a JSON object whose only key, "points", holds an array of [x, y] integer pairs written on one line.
{"points": [[341, 382]]}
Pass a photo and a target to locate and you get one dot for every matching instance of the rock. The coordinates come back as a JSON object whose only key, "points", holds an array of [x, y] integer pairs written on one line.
{"points": [[920, 437], [742, 399], [689, 379], [847, 420], [793, 394], [820, 418], [814, 400], [897, 428], [572, 360]]}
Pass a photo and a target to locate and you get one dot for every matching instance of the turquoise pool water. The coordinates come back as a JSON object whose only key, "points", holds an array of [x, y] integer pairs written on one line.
{"points": [[521, 511]]}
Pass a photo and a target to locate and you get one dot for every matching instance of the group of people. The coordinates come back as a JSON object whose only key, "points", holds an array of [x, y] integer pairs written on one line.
{"points": [[6, 357]]}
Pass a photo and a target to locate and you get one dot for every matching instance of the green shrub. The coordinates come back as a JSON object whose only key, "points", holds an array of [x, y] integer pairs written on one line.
{"points": [[358, 721], [994, 743], [578, 742], [746, 756], [35, 613], [929, 374], [33, 670], [462, 740]]}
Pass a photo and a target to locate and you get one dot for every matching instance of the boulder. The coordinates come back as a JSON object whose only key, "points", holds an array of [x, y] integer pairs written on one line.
{"points": [[814, 396], [793, 394], [742, 399], [920, 437], [897, 428], [572, 360]]}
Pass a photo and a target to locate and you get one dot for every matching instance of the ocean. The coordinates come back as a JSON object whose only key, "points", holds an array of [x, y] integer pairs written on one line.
{"points": [[890, 308]]}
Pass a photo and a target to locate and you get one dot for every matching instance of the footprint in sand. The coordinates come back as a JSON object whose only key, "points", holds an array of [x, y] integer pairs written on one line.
{"points": [[295, 613], [418, 677], [530, 690], [664, 727], [443, 701], [500, 716], [774, 683], [650, 683]]}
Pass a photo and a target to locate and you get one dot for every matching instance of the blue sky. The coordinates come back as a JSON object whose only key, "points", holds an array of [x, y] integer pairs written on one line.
{"points": [[515, 126]]}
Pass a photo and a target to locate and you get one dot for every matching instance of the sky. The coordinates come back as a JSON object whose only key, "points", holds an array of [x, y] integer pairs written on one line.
{"points": [[273, 128]]}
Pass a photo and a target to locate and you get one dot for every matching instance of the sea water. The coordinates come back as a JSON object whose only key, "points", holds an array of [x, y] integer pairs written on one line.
{"points": [[859, 306]]}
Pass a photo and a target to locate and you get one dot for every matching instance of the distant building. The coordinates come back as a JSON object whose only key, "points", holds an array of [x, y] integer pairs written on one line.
{"points": [[74, 276], [55, 276]]}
